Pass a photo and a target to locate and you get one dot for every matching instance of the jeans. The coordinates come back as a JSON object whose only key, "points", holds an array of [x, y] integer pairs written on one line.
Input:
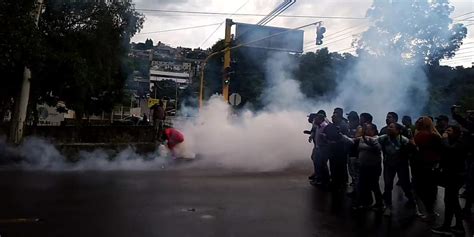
{"points": [[321, 164]]}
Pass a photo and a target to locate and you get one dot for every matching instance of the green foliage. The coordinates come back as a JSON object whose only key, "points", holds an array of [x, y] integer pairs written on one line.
{"points": [[412, 30], [19, 47], [85, 45]]}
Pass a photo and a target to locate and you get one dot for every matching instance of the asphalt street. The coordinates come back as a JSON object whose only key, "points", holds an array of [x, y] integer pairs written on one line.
{"points": [[188, 202]]}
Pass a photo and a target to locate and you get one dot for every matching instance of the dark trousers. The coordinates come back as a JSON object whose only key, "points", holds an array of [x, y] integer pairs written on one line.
{"points": [[321, 164], [338, 165], [369, 183], [425, 186], [451, 201], [469, 184], [403, 173]]}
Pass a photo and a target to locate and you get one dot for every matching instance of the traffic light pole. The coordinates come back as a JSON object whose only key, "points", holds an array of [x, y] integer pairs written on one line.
{"points": [[227, 59]]}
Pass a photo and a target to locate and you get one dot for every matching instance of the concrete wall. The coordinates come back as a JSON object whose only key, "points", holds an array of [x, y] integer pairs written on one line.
{"points": [[90, 134]]}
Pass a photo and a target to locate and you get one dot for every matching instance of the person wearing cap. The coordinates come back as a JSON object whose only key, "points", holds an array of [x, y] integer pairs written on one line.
{"points": [[442, 123], [338, 149], [321, 150]]}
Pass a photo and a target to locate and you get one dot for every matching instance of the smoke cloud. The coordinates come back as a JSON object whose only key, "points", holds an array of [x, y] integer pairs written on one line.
{"points": [[272, 139], [39, 154]]}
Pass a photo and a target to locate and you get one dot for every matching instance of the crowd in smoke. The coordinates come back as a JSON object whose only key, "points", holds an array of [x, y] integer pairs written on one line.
{"points": [[422, 155]]}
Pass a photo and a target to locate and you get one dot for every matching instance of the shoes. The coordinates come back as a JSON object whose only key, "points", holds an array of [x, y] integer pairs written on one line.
{"points": [[312, 177], [387, 212], [442, 230], [458, 229]]}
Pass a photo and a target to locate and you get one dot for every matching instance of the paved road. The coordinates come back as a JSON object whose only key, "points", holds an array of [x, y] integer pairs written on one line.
{"points": [[186, 203]]}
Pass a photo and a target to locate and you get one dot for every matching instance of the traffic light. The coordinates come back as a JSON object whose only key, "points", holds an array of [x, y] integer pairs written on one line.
{"points": [[320, 30]]}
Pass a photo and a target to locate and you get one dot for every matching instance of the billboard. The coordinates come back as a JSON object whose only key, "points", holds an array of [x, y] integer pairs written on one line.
{"points": [[276, 38]]}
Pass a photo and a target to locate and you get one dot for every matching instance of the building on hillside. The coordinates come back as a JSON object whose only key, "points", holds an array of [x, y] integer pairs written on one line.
{"points": [[183, 79]]}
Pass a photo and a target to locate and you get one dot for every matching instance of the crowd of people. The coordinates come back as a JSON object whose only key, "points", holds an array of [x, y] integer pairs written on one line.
{"points": [[423, 156]]}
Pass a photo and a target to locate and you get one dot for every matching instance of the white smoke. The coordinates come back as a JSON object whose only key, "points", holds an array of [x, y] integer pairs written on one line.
{"points": [[39, 154], [270, 139]]}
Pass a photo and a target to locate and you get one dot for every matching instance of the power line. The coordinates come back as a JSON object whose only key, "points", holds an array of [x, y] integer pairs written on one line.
{"points": [[178, 29], [334, 41], [280, 9], [249, 14], [219, 26], [463, 58], [335, 33], [463, 15]]}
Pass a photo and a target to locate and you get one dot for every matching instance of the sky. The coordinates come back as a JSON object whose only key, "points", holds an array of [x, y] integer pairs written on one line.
{"points": [[341, 42]]}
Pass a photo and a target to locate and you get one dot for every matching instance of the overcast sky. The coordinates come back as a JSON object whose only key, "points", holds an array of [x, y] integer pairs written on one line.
{"points": [[193, 38]]}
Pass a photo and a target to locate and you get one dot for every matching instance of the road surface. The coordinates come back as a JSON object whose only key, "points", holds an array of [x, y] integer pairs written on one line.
{"points": [[186, 202]]}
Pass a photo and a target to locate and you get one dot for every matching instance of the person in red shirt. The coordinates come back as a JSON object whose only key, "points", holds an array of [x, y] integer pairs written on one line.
{"points": [[173, 138], [428, 142]]}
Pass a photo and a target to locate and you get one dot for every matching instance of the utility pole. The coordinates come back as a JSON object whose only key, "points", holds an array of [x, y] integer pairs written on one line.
{"points": [[227, 59], [21, 103]]}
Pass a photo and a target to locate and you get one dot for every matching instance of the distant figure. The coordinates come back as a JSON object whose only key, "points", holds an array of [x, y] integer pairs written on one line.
{"points": [[442, 123], [158, 118], [407, 122], [144, 120]]}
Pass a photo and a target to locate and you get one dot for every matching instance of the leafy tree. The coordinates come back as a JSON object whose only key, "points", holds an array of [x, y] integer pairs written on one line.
{"points": [[19, 47], [413, 30], [85, 45]]}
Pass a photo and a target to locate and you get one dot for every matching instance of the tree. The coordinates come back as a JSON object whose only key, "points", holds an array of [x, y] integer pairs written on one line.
{"points": [[19, 47], [85, 45], [412, 30]]}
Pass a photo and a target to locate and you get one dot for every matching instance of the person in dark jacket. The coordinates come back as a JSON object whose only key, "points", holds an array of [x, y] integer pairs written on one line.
{"points": [[467, 124], [453, 172]]}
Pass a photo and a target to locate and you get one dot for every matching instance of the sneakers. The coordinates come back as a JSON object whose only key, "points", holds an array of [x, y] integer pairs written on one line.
{"points": [[387, 212], [442, 230]]}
